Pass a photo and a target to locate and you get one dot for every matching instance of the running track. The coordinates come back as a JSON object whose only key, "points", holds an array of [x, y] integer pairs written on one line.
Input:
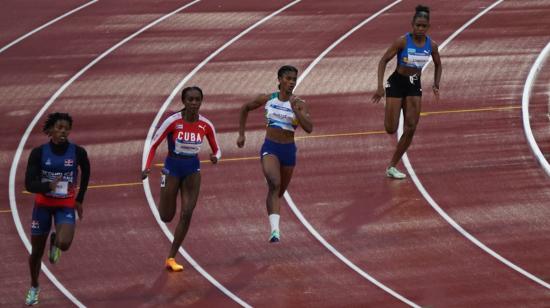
{"points": [[474, 161]]}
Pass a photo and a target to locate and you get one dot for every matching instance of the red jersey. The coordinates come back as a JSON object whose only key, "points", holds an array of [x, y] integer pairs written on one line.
{"points": [[184, 138]]}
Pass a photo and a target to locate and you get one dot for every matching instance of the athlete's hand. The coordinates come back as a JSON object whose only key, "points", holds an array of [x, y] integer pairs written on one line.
{"points": [[436, 94], [145, 173], [240, 141], [79, 210], [53, 184], [296, 103], [377, 95], [213, 159]]}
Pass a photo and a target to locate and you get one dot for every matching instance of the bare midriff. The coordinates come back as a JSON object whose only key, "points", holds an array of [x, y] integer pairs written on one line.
{"points": [[408, 71], [279, 135]]}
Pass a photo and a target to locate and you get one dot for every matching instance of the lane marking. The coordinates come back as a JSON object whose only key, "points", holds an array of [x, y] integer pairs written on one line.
{"points": [[19, 151], [529, 82], [352, 134], [51, 22], [147, 145], [295, 209], [504, 108], [434, 204]]}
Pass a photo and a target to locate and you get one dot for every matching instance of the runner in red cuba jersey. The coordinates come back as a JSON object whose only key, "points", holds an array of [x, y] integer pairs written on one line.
{"points": [[185, 132], [184, 139]]}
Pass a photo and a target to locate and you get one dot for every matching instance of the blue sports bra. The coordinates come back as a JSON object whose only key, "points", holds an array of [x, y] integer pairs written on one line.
{"points": [[414, 56]]}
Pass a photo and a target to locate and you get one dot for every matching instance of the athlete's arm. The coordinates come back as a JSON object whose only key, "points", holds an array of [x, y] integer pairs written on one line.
{"points": [[213, 141], [33, 180], [84, 163], [388, 55], [259, 101], [438, 69], [162, 132], [302, 114]]}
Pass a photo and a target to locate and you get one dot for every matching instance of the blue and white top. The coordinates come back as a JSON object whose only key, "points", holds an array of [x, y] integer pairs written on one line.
{"points": [[280, 114], [414, 56]]}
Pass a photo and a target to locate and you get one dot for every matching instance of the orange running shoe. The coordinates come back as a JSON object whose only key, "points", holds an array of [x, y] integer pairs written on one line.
{"points": [[172, 265]]}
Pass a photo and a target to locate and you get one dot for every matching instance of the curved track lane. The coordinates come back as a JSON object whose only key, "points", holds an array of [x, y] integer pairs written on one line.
{"points": [[384, 227], [424, 238], [133, 11], [504, 214], [302, 43], [32, 70]]}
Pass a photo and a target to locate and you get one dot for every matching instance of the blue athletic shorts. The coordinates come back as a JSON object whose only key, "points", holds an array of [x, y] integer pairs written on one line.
{"points": [[181, 167], [285, 152], [42, 218]]}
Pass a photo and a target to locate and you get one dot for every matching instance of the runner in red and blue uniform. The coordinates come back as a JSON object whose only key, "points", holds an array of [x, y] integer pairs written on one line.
{"points": [[403, 89], [52, 173], [185, 132]]}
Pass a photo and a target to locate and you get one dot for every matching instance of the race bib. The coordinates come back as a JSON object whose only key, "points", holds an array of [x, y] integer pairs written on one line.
{"points": [[185, 148], [62, 188]]}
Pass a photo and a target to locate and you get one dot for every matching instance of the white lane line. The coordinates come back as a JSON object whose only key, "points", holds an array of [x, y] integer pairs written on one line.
{"points": [[293, 206], [17, 156], [434, 204], [525, 108], [51, 22], [147, 145]]}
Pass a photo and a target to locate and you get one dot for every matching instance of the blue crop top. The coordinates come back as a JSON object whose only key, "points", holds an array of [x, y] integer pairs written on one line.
{"points": [[414, 56]]}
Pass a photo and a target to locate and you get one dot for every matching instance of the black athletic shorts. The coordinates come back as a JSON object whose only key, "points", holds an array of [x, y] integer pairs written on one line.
{"points": [[402, 86]]}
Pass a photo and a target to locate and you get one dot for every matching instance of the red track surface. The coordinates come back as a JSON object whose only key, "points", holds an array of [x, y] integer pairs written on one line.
{"points": [[476, 165]]}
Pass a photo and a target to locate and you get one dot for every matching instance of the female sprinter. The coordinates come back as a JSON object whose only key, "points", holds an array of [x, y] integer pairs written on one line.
{"points": [[185, 132], [52, 173], [403, 89], [284, 112]]}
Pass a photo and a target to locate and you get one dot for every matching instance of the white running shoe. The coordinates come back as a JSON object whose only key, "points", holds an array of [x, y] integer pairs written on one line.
{"points": [[393, 173], [275, 236]]}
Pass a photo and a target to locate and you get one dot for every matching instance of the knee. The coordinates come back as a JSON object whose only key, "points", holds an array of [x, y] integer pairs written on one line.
{"points": [[390, 129], [36, 255], [274, 184], [409, 128], [186, 214], [63, 245], [165, 216]]}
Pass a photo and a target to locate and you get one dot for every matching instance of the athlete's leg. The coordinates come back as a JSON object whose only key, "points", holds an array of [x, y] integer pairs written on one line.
{"points": [[272, 172], [286, 176], [411, 111], [40, 228], [65, 227], [38, 243], [168, 197], [392, 111], [190, 188]]}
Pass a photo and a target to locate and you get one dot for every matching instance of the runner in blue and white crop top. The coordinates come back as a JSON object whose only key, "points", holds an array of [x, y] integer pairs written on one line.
{"points": [[284, 112], [280, 114]]}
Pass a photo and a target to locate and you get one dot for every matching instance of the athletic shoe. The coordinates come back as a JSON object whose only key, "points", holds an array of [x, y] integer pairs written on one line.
{"points": [[275, 236], [55, 252], [32, 296], [393, 173], [173, 266]]}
